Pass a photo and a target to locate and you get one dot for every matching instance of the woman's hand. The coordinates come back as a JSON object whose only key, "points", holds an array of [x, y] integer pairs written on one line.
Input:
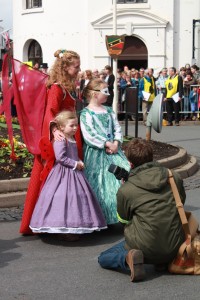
{"points": [[58, 135]]}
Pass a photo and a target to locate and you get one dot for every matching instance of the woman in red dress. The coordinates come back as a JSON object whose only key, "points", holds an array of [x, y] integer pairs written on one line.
{"points": [[60, 90]]}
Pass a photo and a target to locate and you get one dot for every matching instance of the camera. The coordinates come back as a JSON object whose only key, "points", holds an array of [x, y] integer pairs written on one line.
{"points": [[120, 173]]}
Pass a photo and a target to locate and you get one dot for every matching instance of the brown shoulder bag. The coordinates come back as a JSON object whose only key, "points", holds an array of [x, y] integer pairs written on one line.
{"points": [[187, 260]]}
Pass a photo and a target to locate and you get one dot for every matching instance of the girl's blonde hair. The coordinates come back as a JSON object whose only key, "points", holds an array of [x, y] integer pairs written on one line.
{"points": [[58, 73], [93, 85], [64, 116]]}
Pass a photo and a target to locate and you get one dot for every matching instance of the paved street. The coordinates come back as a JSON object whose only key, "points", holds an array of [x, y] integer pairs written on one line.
{"points": [[46, 268]]}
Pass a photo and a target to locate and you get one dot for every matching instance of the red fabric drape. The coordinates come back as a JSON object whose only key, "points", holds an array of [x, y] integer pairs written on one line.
{"points": [[30, 97], [30, 100]]}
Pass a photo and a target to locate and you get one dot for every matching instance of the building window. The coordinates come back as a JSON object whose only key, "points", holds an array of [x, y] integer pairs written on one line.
{"points": [[131, 1], [33, 4], [35, 52]]}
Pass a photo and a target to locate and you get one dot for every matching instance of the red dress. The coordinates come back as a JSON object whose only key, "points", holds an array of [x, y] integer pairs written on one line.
{"points": [[58, 99]]}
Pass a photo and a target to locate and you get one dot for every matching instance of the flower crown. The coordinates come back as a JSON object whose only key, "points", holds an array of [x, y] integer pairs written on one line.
{"points": [[60, 55]]}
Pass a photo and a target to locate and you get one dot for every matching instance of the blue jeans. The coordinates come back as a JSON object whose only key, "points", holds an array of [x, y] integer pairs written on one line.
{"points": [[114, 258], [194, 106]]}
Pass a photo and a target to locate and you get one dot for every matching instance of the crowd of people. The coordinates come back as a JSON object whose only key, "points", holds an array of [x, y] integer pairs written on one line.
{"points": [[147, 82], [77, 194]]}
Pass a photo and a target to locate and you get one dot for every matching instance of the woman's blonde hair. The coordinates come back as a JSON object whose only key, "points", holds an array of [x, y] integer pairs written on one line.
{"points": [[58, 73], [93, 85], [64, 116]]}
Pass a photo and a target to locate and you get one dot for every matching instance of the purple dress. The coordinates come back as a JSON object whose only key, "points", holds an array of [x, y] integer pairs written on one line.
{"points": [[67, 203]]}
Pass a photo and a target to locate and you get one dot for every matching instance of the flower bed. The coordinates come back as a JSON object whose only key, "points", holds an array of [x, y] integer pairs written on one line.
{"points": [[19, 167]]}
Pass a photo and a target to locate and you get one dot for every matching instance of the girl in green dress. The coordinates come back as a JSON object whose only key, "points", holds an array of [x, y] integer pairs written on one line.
{"points": [[102, 140]]}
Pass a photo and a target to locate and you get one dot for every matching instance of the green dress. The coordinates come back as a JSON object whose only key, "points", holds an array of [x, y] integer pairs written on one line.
{"points": [[97, 128]]}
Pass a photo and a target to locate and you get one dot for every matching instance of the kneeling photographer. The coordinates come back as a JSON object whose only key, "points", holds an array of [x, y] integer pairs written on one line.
{"points": [[146, 205]]}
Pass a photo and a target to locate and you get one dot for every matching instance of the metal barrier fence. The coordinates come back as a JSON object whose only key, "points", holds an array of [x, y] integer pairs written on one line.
{"points": [[189, 106]]}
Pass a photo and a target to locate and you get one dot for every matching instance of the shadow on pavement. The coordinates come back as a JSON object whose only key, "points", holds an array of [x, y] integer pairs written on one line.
{"points": [[5, 255], [6, 245], [113, 234]]}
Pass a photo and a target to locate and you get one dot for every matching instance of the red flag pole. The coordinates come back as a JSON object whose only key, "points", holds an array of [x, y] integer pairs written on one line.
{"points": [[7, 97]]}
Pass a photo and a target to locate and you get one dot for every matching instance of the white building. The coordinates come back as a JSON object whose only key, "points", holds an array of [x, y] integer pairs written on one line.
{"points": [[158, 33], [1, 46]]}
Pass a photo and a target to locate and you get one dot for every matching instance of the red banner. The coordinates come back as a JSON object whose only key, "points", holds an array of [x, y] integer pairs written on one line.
{"points": [[30, 99]]}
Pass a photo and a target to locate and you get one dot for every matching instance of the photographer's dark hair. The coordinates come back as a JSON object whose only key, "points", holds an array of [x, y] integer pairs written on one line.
{"points": [[139, 151]]}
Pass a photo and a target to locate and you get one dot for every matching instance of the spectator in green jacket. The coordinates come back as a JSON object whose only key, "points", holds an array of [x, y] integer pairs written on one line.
{"points": [[146, 205]]}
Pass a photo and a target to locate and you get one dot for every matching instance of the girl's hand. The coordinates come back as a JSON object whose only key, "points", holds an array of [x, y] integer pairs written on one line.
{"points": [[107, 147], [58, 135], [108, 144], [108, 151], [114, 147], [80, 165]]}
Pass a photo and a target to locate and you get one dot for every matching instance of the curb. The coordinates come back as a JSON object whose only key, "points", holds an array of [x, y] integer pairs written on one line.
{"points": [[176, 160], [189, 168], [12, 199], [13, 185], [13, 192]]}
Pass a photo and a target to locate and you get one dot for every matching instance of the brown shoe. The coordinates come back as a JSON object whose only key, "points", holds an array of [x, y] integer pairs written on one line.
{"points": [[134, 260]]}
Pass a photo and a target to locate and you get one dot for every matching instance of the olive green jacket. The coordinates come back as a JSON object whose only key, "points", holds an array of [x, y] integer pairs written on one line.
{"points": [[145, 203]]}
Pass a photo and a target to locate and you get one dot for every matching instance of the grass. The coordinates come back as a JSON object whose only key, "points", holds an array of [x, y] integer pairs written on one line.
{"points": [[16, 126]]}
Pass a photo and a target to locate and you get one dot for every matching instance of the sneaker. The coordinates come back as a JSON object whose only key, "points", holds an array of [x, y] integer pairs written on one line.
{"points": [[135, 261], [177, 124], [169, 124]]}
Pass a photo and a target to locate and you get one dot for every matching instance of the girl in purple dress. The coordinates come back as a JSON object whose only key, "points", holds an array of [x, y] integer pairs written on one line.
{"points": [[67, 204]]}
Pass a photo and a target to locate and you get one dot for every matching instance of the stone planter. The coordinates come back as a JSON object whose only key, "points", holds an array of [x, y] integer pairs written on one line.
{"points": [[13, 192]]}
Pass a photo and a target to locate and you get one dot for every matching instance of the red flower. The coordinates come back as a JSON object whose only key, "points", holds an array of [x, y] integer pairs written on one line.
{"points": [[2, 144]]}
